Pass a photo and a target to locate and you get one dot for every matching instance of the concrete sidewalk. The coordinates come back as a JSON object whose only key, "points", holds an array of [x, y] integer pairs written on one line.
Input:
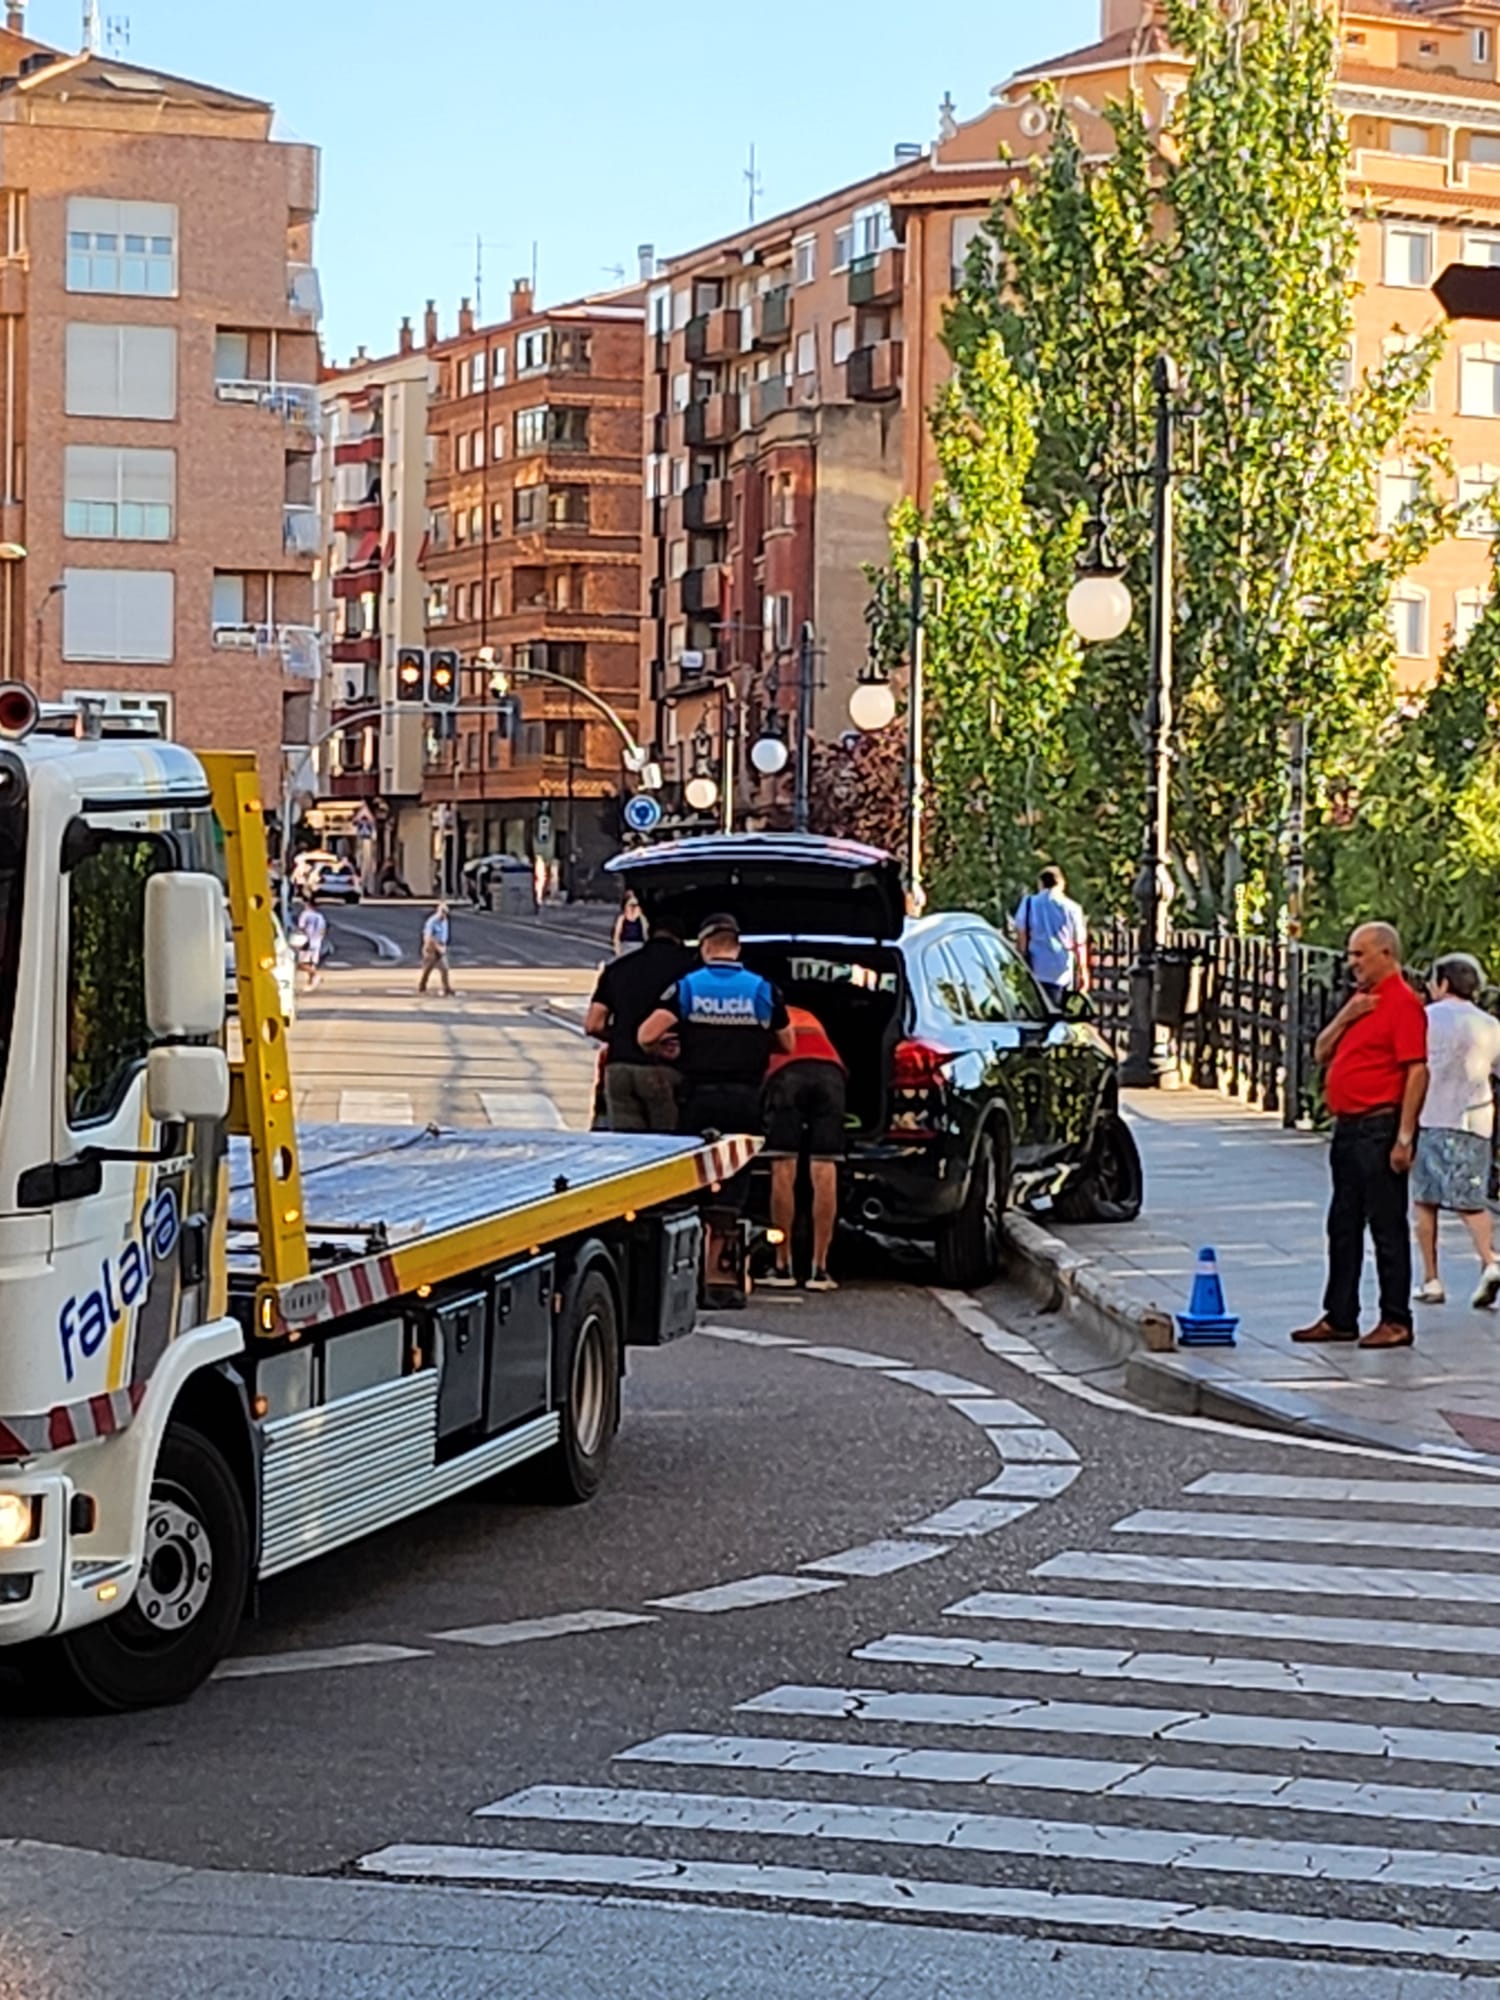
{"points": [[84, 1926], [1219, 1173]]}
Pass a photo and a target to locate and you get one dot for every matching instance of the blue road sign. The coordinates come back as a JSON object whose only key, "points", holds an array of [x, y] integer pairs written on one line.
{"points": [[642, 813]]}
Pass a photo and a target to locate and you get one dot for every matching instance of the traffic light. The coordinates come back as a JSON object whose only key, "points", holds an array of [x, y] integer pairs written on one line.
{"points": [[411, 675], [442, 678]]}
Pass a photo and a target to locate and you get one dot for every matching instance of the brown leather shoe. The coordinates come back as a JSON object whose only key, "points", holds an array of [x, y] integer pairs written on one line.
{"points": [[1321, 1330], [1388, 1334]]}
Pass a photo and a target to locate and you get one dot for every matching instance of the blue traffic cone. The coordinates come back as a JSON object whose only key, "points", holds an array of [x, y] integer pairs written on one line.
{"points": [[1205, 1323]]}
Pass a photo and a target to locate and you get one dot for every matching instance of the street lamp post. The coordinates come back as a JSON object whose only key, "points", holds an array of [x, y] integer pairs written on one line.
{"points": [[916, 782], [802, 791], [1147, 1061]]}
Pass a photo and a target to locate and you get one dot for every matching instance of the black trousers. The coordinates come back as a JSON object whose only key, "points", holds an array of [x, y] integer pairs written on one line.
{"points": [[1367, 1194], [723, 1106]]}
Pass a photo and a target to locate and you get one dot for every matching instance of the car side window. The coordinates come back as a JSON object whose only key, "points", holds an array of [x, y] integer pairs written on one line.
{"points": [[981, 1001], [945, 982], [1021, 997]]}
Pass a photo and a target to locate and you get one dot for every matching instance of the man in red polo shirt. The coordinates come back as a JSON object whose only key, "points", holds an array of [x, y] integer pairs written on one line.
{"points": [[1375, 1049]]}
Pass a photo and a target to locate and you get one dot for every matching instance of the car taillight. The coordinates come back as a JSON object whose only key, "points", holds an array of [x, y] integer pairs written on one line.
{"points": [[919, 1065]]}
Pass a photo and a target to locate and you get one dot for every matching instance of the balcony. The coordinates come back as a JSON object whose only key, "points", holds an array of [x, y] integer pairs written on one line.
{"points": [[713, 336], [875, 280], [711, 420], [299, 646], [706, 505], [360, 451], [874, 372], [770, 396], [685, 679], [702, 590], [296, 403], [364, 651], [773, 317], [304, 294], [365, 518], [301, 531]]}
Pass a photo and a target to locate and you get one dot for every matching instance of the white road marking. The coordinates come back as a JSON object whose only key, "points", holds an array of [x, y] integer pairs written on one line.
{"points": [[972, 1517], [1027, 1771], [992, 1833], [1031, 1482], [521, 1110], [911, 1896], [879, 1558], [936, 1382], [250, 1666], [853, 1357], [1028, 1447], [997, 1412], [1327, 1736], [1179, 1670], [1116, 1614], [1346, 1492], [747, 1592], [521, 1631], [744, 1336], [376, 1107], [1435, 1586], [1459, 1538]]}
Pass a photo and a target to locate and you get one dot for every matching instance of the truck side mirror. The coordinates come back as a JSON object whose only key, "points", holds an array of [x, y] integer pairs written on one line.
{"points": [[184, 1082], [184, 951]]}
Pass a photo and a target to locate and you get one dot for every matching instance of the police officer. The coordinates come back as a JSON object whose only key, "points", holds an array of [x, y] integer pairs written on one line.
{"points": [[728, 1021]]}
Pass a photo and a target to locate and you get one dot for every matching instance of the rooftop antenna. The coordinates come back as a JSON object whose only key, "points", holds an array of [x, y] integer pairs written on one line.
{"points": [[753, 182], [478, 279], [116, 34], [93, 28], [615, 271], [533, 266]]}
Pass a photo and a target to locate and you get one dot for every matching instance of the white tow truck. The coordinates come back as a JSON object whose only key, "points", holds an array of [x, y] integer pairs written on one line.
{"points": [[227, 1348]]}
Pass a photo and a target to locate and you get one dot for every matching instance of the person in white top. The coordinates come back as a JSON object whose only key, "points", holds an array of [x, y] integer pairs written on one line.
{"points": [[1452, 1165]]}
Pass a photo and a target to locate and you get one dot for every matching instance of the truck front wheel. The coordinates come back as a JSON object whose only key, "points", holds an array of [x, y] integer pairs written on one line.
{"points": [[191, 1596]]}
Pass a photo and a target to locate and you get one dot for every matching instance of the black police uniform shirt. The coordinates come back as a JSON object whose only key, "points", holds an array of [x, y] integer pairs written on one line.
{"points": [[728, 1017], [630, 988]]}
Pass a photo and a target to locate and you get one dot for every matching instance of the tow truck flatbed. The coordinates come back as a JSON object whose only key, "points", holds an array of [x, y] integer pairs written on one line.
{"points": [[390, 1211]]}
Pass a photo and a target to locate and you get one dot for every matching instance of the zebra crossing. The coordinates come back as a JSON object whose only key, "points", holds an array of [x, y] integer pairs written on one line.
{"points": [[1136, 1739]]}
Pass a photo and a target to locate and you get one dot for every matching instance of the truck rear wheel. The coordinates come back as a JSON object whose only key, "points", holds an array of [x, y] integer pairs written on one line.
{"points": [[588, 1377], [191, 1596]]}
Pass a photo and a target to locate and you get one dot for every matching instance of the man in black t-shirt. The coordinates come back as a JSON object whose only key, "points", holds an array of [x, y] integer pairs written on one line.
{"points": [[641, 1092]]}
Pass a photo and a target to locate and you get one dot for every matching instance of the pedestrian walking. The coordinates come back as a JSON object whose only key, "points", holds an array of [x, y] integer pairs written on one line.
{"points": [[641, 1091], [630, 927], [435, 936], [728, 1021], [1375, 1050], [805, 1106], [1052, 934], [1456, 1140], [312, 927]]}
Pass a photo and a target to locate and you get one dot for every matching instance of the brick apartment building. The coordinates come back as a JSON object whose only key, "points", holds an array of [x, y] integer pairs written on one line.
{"points": [[773, 443], [532, 560], [1420, 89], [158, 361], [372, 498]]}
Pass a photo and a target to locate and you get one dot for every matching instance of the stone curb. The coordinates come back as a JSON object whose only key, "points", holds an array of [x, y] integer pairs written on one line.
{"points": [[1062, 1280]]}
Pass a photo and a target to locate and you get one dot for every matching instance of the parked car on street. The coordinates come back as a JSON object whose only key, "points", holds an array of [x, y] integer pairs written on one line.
{"points": [[284, 971], [968, 1091], [331, 882]]}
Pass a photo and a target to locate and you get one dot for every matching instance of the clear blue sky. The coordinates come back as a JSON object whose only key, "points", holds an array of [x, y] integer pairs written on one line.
{"points": [[587, 127]]}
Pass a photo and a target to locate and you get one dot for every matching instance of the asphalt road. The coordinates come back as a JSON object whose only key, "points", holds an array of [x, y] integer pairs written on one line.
{"points": [[873, 1616], [374, 932]]}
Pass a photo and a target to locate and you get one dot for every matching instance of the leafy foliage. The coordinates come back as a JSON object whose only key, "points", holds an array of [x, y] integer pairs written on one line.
{"points": [[1227, 243]]}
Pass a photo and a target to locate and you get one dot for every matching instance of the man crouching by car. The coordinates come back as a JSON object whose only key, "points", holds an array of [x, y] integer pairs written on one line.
{"points": [[728, 1021]]}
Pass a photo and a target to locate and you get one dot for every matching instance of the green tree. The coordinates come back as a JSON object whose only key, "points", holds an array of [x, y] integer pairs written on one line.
{"points": [[1227, 242], [1001, 664], [1422, 849]]}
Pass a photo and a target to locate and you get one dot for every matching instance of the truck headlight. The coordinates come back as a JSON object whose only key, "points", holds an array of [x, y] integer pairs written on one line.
{"points": [[17, 1520]]}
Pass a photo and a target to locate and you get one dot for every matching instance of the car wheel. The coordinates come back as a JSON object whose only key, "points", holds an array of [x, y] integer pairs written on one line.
{"points": [[969, 1245], [1112, 1184], [588, 1377], [187, 1606]]}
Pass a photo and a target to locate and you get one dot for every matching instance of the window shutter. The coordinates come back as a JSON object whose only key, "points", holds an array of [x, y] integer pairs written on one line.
{"points": [[148, 371], [118, 614]]}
